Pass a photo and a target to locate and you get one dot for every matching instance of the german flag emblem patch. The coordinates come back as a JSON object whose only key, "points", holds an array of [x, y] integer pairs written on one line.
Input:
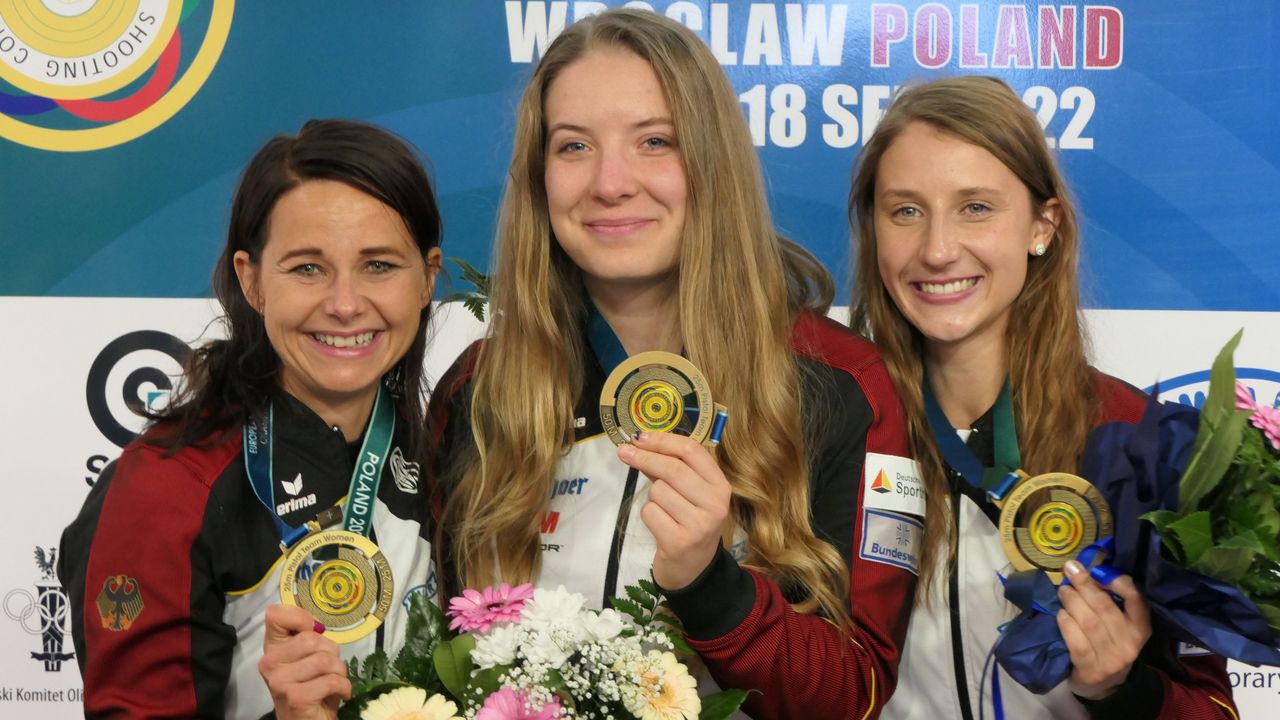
{"points": [[119, 603]]}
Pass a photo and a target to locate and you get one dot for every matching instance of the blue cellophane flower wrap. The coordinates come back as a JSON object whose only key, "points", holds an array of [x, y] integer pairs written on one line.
{"points": [[1137, 469]]}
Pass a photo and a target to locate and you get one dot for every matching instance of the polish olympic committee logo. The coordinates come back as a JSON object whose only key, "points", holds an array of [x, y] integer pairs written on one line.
{"points": [[44, 613], [81, 75]]}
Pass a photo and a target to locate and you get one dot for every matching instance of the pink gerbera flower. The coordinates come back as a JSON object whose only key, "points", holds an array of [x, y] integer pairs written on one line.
{"points": [[508, 704], [1244, 398], [478, 610], [1267, 419]]}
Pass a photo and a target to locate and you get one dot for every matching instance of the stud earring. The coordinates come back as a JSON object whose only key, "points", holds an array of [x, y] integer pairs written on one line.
{"points": [[1040, 249]]}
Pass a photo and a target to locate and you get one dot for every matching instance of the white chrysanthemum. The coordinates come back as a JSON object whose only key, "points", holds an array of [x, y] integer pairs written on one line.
{"points": [[410, 703], [602, 627], [553, 644], [496, 647], [663, 689], [551, 606]]}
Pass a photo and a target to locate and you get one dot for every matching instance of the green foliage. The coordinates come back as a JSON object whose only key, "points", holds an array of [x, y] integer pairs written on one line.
{"points": [[473, 300], [1219, 435], [722, 704], [1228, 524], [453, 663], [427, 627]]}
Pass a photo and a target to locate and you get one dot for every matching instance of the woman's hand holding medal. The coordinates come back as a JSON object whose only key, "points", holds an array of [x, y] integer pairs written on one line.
{"points": [[688, 503], [1104, 640], [302, 667]]}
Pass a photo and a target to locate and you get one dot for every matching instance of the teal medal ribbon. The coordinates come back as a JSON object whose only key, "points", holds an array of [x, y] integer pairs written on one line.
{"points": [[357, 517], [997, 480]]}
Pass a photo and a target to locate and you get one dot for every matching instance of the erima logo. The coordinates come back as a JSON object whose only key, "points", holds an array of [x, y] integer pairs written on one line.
{"points": [[1191, 388], [295, 504], [881, 484], [405, 472], [293, 488]]}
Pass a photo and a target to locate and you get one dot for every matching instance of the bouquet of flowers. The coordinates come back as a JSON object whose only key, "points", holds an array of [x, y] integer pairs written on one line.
{"points": [[1195, 496], [516, 653]]}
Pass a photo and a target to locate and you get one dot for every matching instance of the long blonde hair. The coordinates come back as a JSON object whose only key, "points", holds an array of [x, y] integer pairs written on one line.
{"points": [[1052, 392], [736, 330]]}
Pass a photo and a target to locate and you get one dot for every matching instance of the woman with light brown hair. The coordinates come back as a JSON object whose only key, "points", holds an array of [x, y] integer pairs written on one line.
{"points": [[635, 220], [967, 249]]}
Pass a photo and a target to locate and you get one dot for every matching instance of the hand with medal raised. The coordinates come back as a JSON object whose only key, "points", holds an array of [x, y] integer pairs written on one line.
{"points": [[657, 408]]}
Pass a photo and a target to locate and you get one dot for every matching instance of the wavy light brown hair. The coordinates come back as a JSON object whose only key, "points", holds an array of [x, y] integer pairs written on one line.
{"points": [[522, 417], [1046, 343]]}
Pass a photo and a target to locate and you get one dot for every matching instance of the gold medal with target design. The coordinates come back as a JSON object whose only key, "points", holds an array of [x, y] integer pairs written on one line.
{"points": [[1048, 519], [660, 392], [342, 579]]}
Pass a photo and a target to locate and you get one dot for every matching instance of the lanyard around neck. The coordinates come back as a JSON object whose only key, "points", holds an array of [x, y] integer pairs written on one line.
{"points": [[365, 476], [996, 480]]}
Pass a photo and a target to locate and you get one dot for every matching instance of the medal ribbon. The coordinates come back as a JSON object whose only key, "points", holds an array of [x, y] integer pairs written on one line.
{"points": [[604, 342], [998, 480], [365, 477]]}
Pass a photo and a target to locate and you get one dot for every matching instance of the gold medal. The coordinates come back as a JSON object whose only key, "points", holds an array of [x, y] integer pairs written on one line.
{"points": [[659, 392], [1048, 519], [342, 579]]}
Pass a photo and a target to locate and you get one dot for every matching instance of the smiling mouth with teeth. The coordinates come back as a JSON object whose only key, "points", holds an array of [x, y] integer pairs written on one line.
{"points": [[954, 286], [345, 341]]}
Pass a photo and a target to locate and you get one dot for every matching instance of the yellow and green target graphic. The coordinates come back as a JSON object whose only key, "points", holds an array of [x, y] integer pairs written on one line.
{"points": [[81, 75], [1048, 519]]}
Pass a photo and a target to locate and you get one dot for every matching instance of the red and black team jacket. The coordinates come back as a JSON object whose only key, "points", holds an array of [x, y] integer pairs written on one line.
{"points": [[173, 560], [945, 670], [739, 620]]}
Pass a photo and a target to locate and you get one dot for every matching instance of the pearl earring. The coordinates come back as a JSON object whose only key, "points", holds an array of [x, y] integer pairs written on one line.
{"points": [[1040, 249]]}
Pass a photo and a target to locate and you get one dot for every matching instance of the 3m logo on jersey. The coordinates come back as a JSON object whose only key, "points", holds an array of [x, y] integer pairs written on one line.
{"points": [[893, 483]]}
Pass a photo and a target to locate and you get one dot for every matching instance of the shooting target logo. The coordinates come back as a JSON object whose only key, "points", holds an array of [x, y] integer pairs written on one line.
{"points": [[80, 75]]}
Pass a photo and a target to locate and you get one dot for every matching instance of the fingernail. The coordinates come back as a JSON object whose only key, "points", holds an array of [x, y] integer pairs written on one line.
{"points": [[1073, 568], [640, 436], [626, 452], [318, 627]]}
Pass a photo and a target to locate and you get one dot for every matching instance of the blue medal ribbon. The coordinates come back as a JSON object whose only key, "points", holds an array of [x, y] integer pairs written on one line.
{"points": [[365, 477], [998, 480]]}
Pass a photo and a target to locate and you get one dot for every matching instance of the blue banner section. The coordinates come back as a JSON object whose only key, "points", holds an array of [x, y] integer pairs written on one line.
{"points": [[118, 157]]}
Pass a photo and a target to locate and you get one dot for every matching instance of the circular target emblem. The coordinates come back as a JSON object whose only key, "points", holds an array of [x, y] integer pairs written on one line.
{"points": [[1048, 519], [656, 392], [88, 74], [342, 579]]}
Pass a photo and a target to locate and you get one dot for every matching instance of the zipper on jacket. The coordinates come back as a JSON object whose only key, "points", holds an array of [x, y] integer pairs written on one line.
{"points": [[615, 549], [957, 639]]}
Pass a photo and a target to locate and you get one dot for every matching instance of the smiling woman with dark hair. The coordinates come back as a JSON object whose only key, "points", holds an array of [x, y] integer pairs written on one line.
{"points": [[325, 283]]}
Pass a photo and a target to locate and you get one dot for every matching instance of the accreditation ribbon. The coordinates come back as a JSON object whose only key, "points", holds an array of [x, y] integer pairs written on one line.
{"points": [[338, 575]]}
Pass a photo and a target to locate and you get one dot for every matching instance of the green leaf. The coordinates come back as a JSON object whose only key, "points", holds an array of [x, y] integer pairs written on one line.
{"points": [[634, 611], [722, 704], [1227, 564], [473, 276], [453, 663], [374, 670], [1272, 614], [641, 598], [427, 626], [678, 642], [489, 680], [649, 586], [1219, 435], [1194, 533]]}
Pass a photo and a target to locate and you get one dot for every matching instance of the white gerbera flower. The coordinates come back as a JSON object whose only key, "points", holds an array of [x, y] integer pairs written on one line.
{"points": [[410, 703], [496, 647], [665, 690]]}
